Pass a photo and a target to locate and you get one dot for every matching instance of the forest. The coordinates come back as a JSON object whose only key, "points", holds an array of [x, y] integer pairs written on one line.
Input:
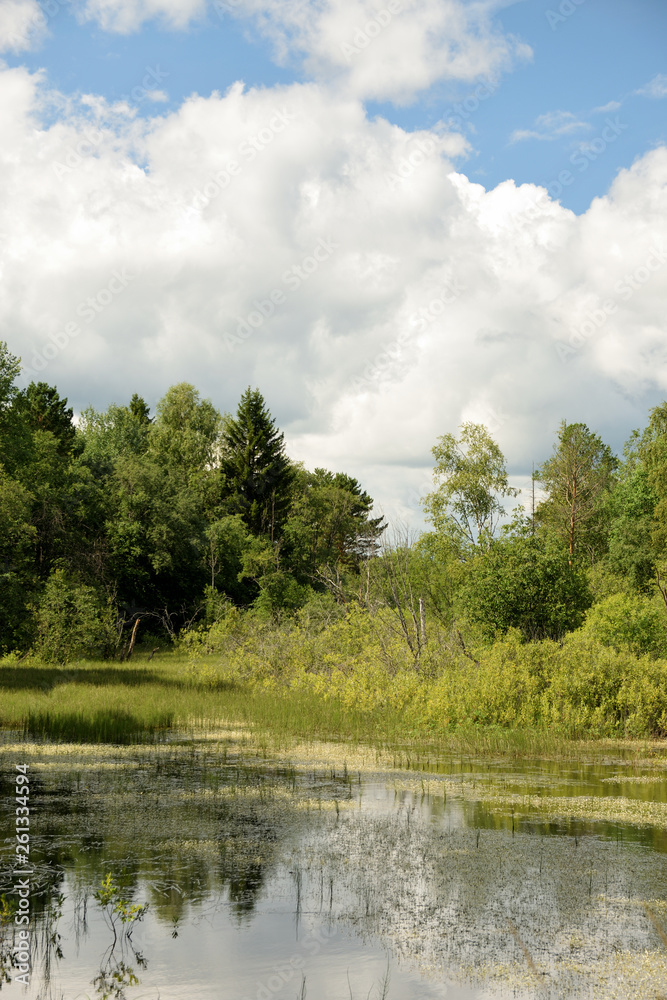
{"points": [[194, 530]]}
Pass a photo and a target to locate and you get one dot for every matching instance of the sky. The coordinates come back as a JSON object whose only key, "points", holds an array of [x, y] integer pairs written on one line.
{"points": [[389, 216]]}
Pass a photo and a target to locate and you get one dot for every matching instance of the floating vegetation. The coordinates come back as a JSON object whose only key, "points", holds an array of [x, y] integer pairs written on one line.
{"points": [[528, 879]]}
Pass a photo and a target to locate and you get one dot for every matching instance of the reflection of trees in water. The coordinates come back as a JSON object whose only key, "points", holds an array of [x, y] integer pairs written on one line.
{"points": [[187, 828]]}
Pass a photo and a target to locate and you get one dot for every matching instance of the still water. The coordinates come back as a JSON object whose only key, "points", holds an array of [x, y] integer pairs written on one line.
{"points": [[332, 872]]}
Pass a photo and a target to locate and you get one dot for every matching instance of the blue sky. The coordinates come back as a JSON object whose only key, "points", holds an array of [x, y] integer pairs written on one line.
{"points": [[489, 179], [599, 53]]}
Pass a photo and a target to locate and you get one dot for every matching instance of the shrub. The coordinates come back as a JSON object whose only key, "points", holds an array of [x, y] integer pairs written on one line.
{"points": [[73, 621], [628, 621]]}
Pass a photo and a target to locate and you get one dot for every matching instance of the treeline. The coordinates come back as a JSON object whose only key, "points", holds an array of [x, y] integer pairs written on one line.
{"points": [[169, 518], [184, 518]]}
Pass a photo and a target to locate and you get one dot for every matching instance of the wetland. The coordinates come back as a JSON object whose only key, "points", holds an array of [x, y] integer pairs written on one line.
{"points": [[285, 868]]}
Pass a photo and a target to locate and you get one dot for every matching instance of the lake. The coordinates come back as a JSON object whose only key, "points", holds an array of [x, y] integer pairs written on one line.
{"points": [[332, 872]]}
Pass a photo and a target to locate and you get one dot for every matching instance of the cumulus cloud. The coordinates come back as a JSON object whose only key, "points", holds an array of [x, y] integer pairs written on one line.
{"points": [[373, 49], [280, 238], [387, 50], [22, 24]]}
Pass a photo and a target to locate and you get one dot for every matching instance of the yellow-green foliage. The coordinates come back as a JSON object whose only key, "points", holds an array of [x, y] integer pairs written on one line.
{"points": [[577, 687], [629, 621], [353, 676]]}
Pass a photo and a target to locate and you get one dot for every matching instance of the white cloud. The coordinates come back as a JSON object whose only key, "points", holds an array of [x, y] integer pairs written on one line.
{"points": [[550, 126], [126, 16], [606, 108], [168, 241], [387, 50], [382, 49], [22, 24], [657, 87]]}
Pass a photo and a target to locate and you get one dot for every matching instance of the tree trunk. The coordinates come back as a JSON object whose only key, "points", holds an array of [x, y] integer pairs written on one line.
{"points": [[132, 638], [422, 620]]}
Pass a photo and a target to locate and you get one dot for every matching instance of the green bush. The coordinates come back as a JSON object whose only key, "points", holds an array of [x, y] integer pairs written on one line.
{"points": [[628, 621], [73, 621], [523, 583]]}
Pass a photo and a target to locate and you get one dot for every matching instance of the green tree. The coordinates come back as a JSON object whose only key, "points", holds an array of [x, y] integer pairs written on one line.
{"points": [[652, 451], [17, 537], [109, 435], [470, 476], [185, 434], [44, 410], [257, 475], [155, 535], [526, 583], [14, 431], [577, 480], [329, 530], [139, 410], [10, 369], [632, 553], [628, 621], [227, 542]]}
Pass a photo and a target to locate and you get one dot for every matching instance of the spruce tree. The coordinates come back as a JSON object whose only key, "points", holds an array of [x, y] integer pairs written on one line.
{"points": [[257, 475]]}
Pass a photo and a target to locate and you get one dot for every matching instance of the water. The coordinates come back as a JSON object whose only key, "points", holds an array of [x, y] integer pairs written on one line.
{"points": [[329, 872]]}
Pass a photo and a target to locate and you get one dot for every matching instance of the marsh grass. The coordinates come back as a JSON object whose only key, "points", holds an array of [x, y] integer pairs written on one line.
{"points": [[96, 702], [273, 682], [110, 726]]}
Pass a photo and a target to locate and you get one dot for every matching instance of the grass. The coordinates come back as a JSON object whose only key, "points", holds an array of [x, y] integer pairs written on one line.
{"points": [[95, 702]]}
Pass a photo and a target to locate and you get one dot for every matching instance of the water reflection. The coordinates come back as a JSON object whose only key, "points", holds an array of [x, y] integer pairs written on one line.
{"points": [[265, 877]]}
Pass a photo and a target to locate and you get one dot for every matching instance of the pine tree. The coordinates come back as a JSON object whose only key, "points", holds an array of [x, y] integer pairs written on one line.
{"points": [[577, 479], [44, 410], [139, 410], [257, 474]]}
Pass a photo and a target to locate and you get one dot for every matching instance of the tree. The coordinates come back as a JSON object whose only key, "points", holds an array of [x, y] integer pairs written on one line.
{"points": [[524, 582], [10, 369], [653, 454], [44, 410], [257, 475], [17, 537], [470, 476], [139, 410], [632, 554], [109, 435], [329, 527], [577, 479], [652, 450], [14, 432], [186, 432]]}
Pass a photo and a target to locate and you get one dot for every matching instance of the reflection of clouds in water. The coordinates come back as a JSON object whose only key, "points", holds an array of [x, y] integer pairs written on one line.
{"points": [[484, 908], [223, 841]]}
